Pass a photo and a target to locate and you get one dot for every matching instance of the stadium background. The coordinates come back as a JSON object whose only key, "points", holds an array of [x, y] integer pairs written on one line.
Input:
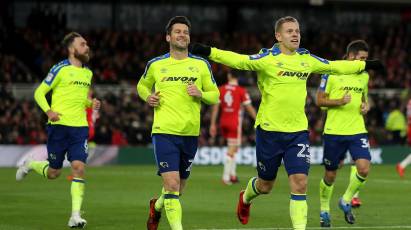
{"points": [[124, 35]]}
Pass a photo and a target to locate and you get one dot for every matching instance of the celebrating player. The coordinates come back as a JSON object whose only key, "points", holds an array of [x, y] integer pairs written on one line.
{"points": [[67, 127], [281, 122], [346, 100], [181, 82]]}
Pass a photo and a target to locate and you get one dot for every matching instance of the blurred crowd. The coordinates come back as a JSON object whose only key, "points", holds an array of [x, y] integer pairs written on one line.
{"points": [[119, 57]]}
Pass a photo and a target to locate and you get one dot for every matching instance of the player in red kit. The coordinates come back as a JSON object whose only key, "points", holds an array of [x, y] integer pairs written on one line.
{"points": [[407, 160], [232, 100]]}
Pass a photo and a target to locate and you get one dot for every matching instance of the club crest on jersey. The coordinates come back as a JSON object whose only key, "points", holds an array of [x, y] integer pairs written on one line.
{"points": [[193, 69], [300, 75], [163, 70], [182, 79]]}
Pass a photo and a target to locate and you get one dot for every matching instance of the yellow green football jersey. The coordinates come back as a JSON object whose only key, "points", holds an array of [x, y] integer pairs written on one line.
{"points": [[346, 119], [282, 81], [178, 112], [70, 86]]}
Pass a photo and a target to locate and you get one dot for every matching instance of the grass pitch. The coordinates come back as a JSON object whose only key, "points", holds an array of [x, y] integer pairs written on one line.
{"points": [[117, 198]]}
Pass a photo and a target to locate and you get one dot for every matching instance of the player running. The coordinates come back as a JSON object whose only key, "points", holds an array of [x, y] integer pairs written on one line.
{"points": [[346, 100], [181, 82], [67, 126], [281, 123]]}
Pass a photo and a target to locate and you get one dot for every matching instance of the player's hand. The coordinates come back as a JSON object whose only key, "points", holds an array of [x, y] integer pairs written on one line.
{"points": [[364, 108], [53, 116], [374, 65], [199, 49], [213, 131], [346, 98], [154, 99], [96, 104], [193, 91]]}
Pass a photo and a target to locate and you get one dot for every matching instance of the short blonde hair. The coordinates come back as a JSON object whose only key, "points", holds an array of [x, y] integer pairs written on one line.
{"points": [[281, 21]]}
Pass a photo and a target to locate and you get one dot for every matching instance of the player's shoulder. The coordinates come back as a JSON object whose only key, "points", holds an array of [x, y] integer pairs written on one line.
{"points": [[158, 59], [198, 58], [302, 51], [59, 66], [155, 61], [266, 52]]}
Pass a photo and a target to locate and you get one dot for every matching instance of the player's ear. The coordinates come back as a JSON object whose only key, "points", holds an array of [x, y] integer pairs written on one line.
{"points": [[351, 56], [168, 38], [278, 36], [70, 49]]}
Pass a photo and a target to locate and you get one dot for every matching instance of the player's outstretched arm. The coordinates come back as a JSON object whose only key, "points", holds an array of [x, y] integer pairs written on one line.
{"points": [[229, 58], [342, 67]]}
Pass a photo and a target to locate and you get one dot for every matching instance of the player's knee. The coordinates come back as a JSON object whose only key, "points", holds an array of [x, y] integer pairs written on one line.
{"points": [[363, 171], [330, 176], [329, 179], [172, 185], [77, 170], [53, 173], [299, 186], [264, 187]]}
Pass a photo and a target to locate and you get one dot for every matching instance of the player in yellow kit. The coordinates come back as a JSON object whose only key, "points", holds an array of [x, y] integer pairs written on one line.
{"points": [[181, 82], [281, 123], [346, 100], [67, 127]]}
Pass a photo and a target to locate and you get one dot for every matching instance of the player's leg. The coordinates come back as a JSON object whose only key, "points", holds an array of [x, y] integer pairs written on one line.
{"points": [[359, 150], [172, 206], [297, 163], [77, 155], [355, 201], [56, 149], [268, 161], [187, 146], [334, 154], [402, 165], [229, 174], [230, 135], [356, 183], [298, 200], [168, 151], [234, 145]]}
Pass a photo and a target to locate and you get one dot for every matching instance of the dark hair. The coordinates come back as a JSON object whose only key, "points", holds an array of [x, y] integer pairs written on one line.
{"points": [[69, 38], [234, 73], [177, 19], [357, 46], [283, 20]]}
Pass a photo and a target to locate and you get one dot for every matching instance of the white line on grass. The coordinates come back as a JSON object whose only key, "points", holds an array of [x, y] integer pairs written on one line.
{"points": [[312, 228]]}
